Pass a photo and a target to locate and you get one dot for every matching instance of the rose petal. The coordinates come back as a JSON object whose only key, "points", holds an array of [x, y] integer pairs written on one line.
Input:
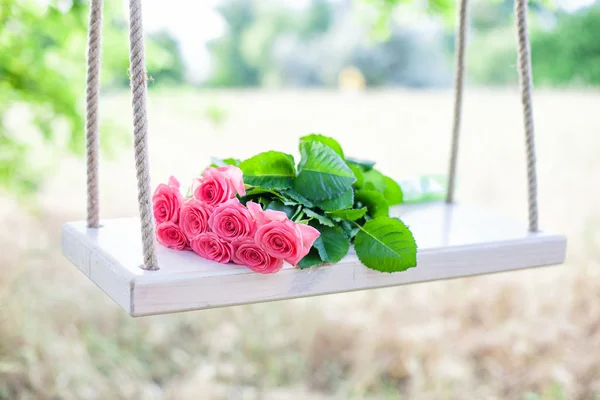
{"points": [[231, 220], [247, 252], [209, 246], [236, 177], [217, 185], [281, 239], [170, 235], [173, 182], [166, 203], [309, 235], [264, 217], [193, 217], [254, 208]]}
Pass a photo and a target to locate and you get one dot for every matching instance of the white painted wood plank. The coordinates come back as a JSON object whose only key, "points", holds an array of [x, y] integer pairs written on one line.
{"points": [[81, 248], [454, 241]]}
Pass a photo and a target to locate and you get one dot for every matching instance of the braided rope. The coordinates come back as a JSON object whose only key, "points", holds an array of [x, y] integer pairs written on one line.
{"points": [[458, 94], [140, 132], [91, 117], [525, 83]]}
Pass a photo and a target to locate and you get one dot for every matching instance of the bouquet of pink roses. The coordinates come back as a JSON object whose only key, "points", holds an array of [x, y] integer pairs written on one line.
{"points": [[214, 224], [263, 211]]}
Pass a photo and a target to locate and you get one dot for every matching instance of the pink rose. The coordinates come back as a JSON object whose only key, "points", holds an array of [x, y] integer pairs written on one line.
{"points": [[209, 246], [264, 217], [193, 218], [280, 237], [231, 220], [217, 185], [170, 235], [247, 252], [167, 201]]}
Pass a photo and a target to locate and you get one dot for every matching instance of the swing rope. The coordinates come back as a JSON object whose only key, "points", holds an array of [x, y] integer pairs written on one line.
{"points": [[525, 85], [458, 94], [140, 120], [92, 95], [138, 78]]}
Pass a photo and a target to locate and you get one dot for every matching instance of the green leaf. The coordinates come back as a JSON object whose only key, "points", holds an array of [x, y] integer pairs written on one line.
{"points": [[392, 192], [374, 180], [348, 215], [332, 245], [358, 173], [374, 201], [350, 229], [323, 220], [312, 259], [327, 141], [322, 174], [366, 165], [297, 198], [269, 170], [345, 201], [217, 162], [262, 196], [264, 202], [255, 191], [387, 245], [298, 214]]}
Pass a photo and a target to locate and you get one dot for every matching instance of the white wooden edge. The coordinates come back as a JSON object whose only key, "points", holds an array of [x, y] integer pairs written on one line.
{"points": [[474, 242], [100, 267]]}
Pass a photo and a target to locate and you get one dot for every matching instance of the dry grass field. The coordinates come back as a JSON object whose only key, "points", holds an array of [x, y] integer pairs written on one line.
{"points": [[525, 335]]}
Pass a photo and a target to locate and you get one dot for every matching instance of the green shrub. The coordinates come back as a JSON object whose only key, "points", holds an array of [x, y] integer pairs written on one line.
{"points": [[568, 53], [42, 82]]}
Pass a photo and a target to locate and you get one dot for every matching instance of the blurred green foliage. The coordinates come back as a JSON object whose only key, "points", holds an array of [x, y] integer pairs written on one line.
{"points": [[42, 60], [569, 54], [564, 47], [565, 50], [382, 25], [42, 82], [242, 56], [277, 44], [37, 68]]}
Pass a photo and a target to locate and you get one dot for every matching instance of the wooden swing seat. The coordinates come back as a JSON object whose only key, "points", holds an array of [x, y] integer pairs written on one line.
{"points": [[454, 241]]}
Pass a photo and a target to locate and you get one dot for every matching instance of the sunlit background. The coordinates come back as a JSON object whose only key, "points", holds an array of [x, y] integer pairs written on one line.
{"points": [[230, 78]]}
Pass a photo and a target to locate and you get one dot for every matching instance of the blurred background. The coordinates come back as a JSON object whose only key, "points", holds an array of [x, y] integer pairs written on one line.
{"points": [[235, 77]]}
